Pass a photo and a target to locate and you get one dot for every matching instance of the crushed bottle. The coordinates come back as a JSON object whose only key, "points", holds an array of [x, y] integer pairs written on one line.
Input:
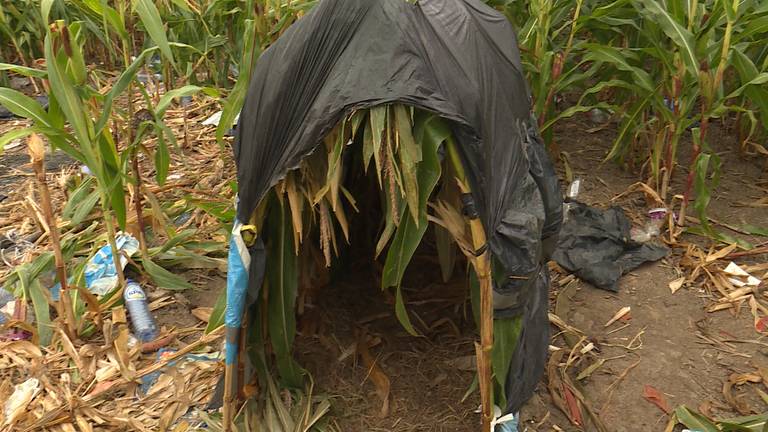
{"points": [[652, 228]]}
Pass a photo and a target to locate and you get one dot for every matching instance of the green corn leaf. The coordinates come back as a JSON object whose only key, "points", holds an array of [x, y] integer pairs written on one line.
{"points": [[760, 79], [731, 9], [283, 279], [187, 90], [24, 106], [429, 133], [42, 312], [71, 106], [389, 225], [753, 423], [153, 23], [177, 240], [407, 239], [45, 9], [719, 236], [629, 124], [573, 110], [694, 420], [233, 104], [163, 278], [401, 313], [506, 334], [367, 146], [84, 208], [13, 135], [755, 230], [162, 159], [756, 26], [23, 70], [76, 63], [112, 181], [378, 120], [120, 86], [410, 155], [654, 10], [601, 53], [217, 315], [76, 197], [108, 15], [747, 72]]}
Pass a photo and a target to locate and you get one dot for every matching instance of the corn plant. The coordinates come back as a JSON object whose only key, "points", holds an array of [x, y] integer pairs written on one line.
{"points": [[397, 149], [667, 73], [550, 36]]}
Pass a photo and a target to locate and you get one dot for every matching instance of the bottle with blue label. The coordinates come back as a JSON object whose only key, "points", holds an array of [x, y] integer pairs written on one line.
{"points": [[143, 323]]}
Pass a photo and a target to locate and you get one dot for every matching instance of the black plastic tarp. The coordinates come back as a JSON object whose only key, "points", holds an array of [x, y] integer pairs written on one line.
{"points": [[597, 246], [457, 58]]}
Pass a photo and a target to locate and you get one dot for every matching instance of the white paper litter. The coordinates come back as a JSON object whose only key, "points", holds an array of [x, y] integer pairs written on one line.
{"points": [[733, 269], [215, 118]]}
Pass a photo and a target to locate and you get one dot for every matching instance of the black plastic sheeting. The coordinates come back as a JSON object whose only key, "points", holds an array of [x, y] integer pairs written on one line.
{"points": [[457, 58], [595, 244]]}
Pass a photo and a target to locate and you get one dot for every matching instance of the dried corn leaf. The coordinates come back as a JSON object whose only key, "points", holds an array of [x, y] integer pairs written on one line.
{"points": [[376, 375]]}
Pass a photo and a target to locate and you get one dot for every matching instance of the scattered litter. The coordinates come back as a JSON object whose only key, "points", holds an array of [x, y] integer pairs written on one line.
{"points": [[677, 284], [182, 218], [596, 245], [19, 313], [100, 273], [144, 78], [598, 116], [652, 228], [214, 119], [620, 314], [570, 197], [148, 382], [657, 398], [143, 323], [507, 423], [22, 395], [742, 278]]}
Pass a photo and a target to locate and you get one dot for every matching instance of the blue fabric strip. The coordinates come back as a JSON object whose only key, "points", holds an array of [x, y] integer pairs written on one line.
{"points": [[237, 285]]}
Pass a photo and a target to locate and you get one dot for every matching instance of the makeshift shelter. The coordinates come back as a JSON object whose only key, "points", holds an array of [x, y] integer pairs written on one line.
{"points": [[457, 59]]}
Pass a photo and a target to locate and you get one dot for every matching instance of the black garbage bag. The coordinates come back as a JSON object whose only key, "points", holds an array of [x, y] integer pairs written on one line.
{"points": [[456, 58], [595, 244]]}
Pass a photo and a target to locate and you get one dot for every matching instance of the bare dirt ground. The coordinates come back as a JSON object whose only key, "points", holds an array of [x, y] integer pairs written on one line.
{"points": [[667, 343]]}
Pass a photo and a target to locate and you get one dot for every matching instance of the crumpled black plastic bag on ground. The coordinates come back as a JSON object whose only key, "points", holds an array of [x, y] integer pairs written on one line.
{"points": [[595, 244]]}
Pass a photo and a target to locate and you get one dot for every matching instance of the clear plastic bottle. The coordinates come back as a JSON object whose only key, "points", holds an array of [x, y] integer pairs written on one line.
{"points": [[652, 228], [143, 323], [570, 196]]}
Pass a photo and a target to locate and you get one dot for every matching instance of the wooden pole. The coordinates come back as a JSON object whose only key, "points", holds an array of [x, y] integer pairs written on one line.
{"points": [[482, 265], [37, 156]]}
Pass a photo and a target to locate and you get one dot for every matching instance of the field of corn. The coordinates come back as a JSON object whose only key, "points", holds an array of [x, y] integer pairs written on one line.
{"points": [[128, 86]]}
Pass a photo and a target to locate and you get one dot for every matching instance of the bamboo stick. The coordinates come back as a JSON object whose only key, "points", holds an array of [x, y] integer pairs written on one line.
{"points": [[482, 266], [37, 156]]}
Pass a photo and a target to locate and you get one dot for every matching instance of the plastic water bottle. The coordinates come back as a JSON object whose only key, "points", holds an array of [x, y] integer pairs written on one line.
{"points": [[144, 326], [570, 196]]}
